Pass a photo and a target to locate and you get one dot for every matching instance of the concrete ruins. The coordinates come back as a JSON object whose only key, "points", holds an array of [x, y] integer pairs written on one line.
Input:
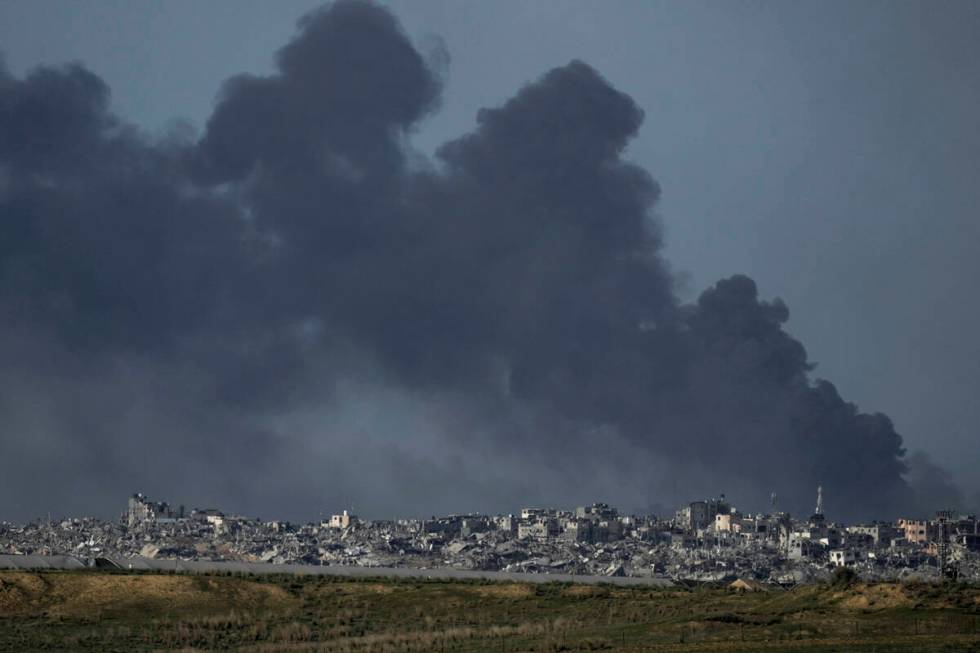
{"points": [[706, 540]]}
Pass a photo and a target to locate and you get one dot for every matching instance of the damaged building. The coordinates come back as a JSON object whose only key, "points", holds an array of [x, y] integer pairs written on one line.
{"points": [[707, 540]]}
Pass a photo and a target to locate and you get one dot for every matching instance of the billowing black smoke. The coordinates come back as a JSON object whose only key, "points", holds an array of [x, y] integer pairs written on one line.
{"points": [[167, 305]]}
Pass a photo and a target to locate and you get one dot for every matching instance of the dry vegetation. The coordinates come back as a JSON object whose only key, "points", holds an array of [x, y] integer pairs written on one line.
{"points": [[97, 611]]}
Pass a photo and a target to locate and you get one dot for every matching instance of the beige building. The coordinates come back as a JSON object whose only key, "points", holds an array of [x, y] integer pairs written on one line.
{"points": [[723, 522], [343, 520], [915, 530]]}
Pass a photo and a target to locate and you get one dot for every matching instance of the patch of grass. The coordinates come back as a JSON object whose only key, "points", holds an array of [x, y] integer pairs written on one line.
{"points": [[140, 611]]}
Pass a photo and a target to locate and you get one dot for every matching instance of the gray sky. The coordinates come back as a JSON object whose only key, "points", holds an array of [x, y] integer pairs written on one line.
{"points": [[829, 150]]}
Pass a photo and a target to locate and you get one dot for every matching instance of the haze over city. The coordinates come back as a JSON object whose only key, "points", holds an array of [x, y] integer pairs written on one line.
{"points": [[431, 257]]}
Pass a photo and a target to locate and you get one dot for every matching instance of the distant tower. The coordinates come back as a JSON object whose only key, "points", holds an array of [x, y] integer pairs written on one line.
{"points": [[772, 502], [819, 510], [946, 569]]}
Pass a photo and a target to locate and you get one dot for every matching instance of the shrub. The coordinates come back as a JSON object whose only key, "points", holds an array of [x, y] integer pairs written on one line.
{"points": [[843, 578]]}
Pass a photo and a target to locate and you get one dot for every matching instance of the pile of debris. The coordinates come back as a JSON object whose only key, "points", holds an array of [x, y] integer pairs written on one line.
{"points": [[698, 544]]}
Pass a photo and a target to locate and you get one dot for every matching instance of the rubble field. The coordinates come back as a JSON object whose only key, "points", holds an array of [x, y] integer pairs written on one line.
{"points": [[704, 542]]}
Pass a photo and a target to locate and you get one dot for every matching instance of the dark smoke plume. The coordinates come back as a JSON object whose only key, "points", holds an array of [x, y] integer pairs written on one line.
{"points": [[215, 317], [933, 488]]}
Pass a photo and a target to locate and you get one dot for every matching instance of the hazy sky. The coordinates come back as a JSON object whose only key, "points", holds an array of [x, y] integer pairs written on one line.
{"points": [[828, 150]]}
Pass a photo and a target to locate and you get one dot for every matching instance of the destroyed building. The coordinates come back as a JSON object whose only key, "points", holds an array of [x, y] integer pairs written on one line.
{"points": [[706, 540], [701, 514], [141, 510], [343, 520]]}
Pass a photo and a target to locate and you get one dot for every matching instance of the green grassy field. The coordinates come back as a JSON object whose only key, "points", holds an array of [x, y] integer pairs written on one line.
{"points": [[99, 611]]}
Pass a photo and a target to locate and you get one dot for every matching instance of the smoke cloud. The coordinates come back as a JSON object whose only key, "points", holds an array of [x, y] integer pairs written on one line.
{"points": [[933, 487], [293, 310]]}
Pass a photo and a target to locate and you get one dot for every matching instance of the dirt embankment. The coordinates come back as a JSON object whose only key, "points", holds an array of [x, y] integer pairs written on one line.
{"points": [[84, 595], [877, 597]]}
